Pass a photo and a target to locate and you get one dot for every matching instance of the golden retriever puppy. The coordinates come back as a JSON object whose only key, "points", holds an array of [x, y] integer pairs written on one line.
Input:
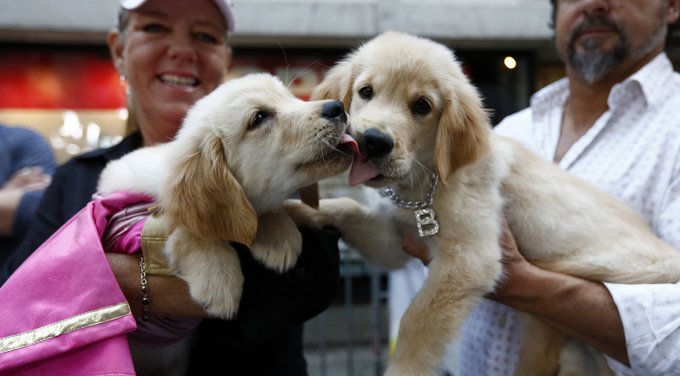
{"points": [[427, 142], [241, 151]]}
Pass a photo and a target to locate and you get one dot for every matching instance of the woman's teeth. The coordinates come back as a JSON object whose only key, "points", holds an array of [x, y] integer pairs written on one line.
{"points": [[178, 80]]}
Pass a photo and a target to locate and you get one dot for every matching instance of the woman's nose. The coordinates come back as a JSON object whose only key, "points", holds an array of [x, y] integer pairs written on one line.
{"points": [[182, 48]]}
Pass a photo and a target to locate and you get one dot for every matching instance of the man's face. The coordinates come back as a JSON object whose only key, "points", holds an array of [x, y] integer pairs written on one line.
{"points": [[594, 37]]}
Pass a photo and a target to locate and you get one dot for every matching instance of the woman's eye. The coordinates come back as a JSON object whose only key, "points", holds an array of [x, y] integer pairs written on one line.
{"points": [[422, 107], [154, 28], [205, 37], [259, 118], [366, 92]]}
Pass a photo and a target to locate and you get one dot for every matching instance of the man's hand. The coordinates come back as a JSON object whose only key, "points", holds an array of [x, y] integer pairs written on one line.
{"points": [[28, 179], [25, 180], [416, 248], [515, 267]]}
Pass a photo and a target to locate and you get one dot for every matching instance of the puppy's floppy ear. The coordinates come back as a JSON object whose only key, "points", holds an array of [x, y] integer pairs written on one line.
{"points": [[337, 84], [203, 195], [463, 134]]}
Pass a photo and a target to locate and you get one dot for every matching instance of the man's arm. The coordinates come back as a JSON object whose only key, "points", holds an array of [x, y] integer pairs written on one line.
{"points": [[577, 307], [32, 161], [23, 186]]}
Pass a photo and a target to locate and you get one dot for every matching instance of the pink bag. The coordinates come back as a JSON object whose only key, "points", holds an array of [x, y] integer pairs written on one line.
{"points": [[62, 310]]}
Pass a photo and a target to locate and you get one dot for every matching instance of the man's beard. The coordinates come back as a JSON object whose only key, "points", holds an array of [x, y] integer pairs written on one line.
{"points": [[592, 63]]}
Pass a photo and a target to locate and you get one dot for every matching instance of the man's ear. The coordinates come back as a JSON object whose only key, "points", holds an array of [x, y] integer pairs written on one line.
{"points": [[673, 11]]}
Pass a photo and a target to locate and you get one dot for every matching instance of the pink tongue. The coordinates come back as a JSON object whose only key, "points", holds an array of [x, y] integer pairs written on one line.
{"points": [[362, 170]]}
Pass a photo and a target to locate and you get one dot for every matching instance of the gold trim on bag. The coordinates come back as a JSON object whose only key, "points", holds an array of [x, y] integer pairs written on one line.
{"points": [[83, 320]]}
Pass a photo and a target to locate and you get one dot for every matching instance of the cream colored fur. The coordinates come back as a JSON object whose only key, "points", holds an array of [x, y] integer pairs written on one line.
{"points": [[560, 223], [224, 179]]}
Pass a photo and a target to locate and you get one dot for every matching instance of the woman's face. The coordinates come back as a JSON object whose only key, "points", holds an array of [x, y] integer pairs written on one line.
{"points": [[173, 52]]}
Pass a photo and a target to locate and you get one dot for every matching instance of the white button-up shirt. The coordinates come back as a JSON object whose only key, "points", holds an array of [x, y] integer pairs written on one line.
{"points": [[633, 152]]}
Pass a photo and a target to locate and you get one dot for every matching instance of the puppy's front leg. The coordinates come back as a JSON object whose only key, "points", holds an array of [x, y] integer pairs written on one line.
{"points": [[372, 233], [278, 242], [455, 284], [211, 269]]}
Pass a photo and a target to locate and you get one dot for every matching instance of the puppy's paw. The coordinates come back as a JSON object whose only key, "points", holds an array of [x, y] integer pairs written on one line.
{"points": [[212, 272], [278, 242], [302, 214]]}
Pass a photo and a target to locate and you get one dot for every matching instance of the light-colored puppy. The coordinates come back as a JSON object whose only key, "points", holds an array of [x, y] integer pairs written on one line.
{"points": [[425, 134], [241, 151]]}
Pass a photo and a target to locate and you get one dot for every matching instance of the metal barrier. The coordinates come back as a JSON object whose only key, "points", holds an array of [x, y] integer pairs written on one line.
{"points": [[351, 337]]}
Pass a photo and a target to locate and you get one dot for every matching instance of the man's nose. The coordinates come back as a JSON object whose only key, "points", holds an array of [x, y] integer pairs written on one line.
{"points": [[592, 7]]}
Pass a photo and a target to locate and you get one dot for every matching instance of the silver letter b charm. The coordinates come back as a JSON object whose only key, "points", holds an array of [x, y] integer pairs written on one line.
{"points": [[427, 225]]}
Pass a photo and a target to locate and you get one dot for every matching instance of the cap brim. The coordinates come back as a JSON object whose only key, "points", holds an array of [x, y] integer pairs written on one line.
{"points": [[223, 5]]}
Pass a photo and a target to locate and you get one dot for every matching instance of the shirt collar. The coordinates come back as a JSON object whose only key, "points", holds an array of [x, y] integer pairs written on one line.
{"points": [[650, 78]]}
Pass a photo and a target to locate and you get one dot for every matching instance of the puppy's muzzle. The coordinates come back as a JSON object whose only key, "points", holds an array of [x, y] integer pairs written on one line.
{"points": [[334, 111], [376, 144]]}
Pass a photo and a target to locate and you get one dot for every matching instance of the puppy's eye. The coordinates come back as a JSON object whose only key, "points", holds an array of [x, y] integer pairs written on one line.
{"points": [[366, 92], [422, 107], [259, 118]]}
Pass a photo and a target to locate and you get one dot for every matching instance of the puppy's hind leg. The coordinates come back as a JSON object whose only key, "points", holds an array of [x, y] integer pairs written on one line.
{"points": [[211, 269], [540, 348]]}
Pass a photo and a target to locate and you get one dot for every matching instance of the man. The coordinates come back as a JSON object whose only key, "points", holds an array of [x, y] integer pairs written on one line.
{"points": [[26, 164], [612, 121]]}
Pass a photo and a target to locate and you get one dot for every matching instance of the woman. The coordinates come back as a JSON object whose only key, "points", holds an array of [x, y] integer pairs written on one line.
{"points": [[169, 54]]}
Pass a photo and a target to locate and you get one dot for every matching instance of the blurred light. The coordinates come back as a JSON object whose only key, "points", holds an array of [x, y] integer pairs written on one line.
{"points": [[72, 149], [123, 113], [71, 126], [510, 62], [93, 132]]}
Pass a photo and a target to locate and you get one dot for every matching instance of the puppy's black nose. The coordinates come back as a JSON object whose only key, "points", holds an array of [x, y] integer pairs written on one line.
{"points": [[335, 111], [377, 144]]}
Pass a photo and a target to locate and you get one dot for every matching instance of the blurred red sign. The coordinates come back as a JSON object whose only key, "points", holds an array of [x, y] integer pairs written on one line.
{"points": [[54, 80]]}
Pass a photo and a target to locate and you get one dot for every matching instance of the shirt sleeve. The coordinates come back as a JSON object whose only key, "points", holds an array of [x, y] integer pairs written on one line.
{"points": [[667, 218], [650, 314], [29, 149]]}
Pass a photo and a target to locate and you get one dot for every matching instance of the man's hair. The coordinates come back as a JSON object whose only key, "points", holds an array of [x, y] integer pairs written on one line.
{"points": [[673, 29]]}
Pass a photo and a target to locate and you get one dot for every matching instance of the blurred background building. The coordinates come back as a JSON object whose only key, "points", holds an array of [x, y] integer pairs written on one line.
{"points": [[56, 76]]}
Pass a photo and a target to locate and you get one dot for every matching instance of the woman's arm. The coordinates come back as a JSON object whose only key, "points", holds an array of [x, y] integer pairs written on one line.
{"points": [[169, 295]]}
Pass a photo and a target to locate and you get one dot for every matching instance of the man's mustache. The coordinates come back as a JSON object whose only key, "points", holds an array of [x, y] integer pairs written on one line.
{"points": [[594, 22]]}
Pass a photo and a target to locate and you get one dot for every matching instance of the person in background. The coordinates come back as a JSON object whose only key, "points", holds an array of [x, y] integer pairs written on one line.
{"points": [[169, 54], [26, 166], [613, 122]]}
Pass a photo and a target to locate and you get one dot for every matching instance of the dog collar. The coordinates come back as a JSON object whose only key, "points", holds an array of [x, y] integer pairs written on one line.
{"points": [[425, 215]]}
